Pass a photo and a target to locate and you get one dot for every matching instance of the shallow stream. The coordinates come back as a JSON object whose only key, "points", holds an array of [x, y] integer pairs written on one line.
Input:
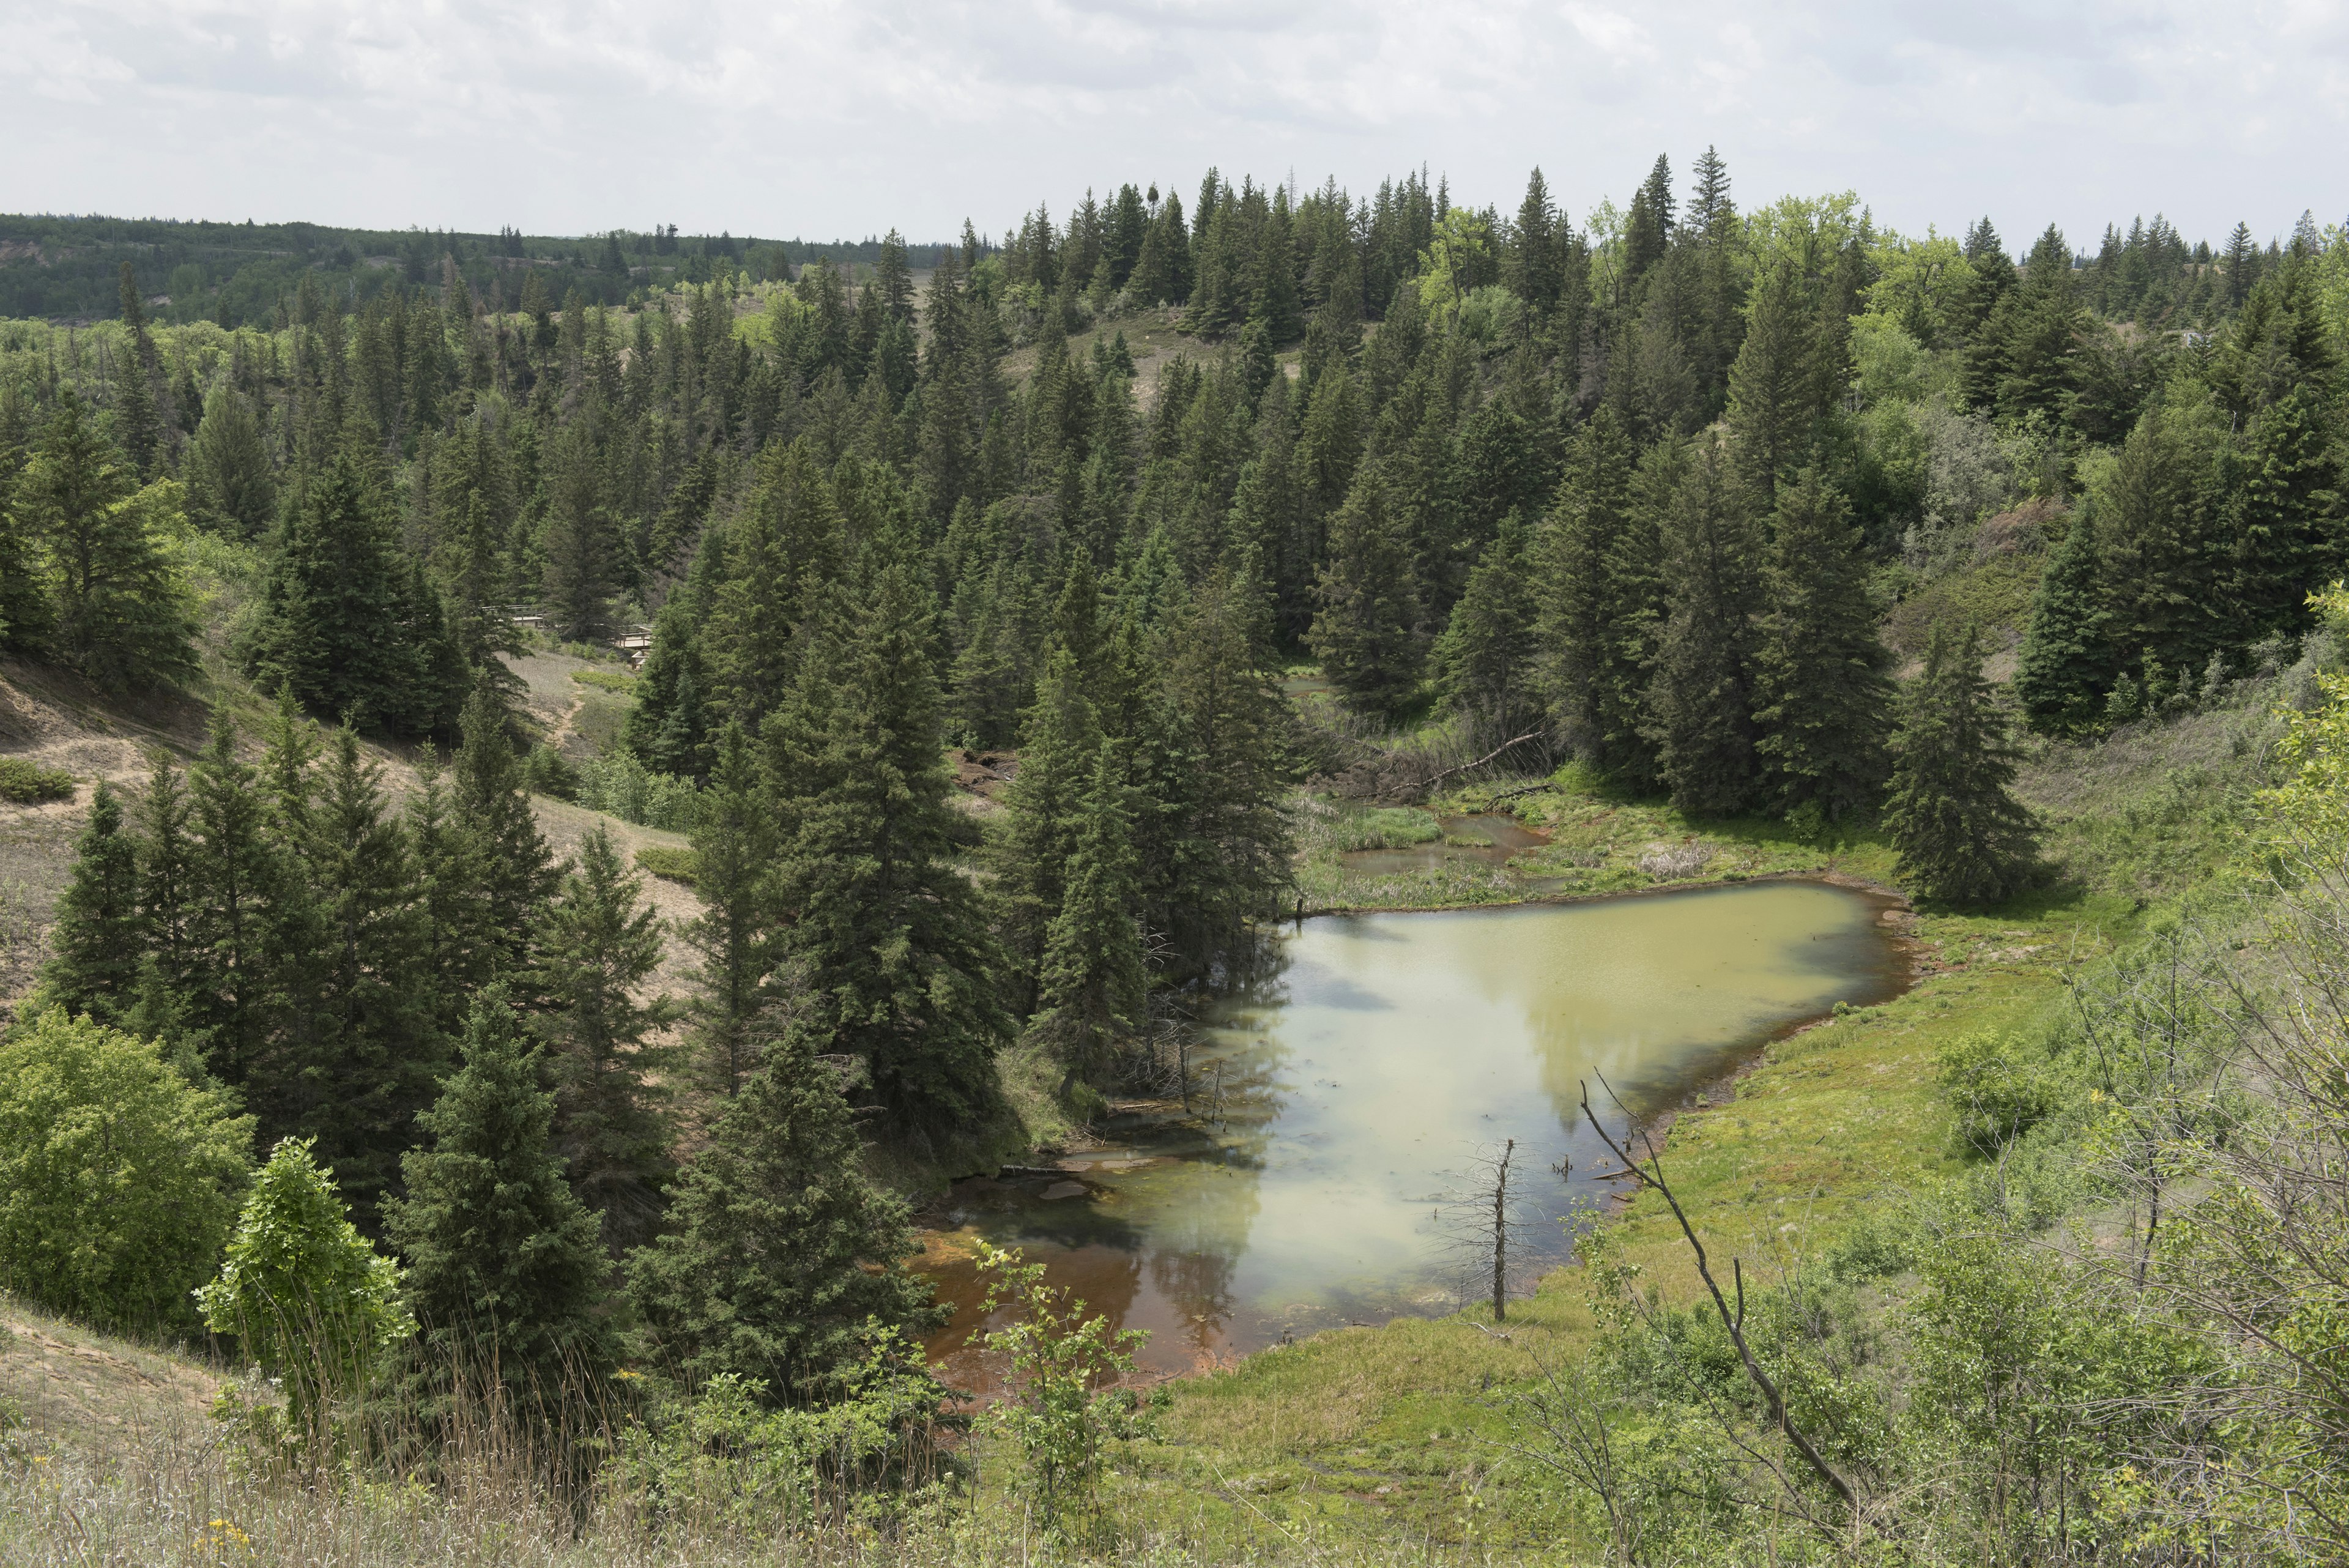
{"points": [[1334, 1102]]}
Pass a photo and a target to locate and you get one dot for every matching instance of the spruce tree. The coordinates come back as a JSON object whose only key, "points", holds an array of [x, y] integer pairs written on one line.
{"points": [[780, 1251], [2290, 511], [2241, 265], [1484, 658], [780, 550], [669, 727], [2038, 348], [1962, 836], [121, 616], [734, 848], [1772, 383], [237, 876], [2165, 537], [1045, 805], [1601, 596], [581, 543], [231, 489], [377, 1050], [455, 952], [2067, 659], [1094, 984], [332, 627], [100, 939], [597, 949], [1819, 686], [443, 676], [1211, 774], [137, 425], [1701, 698], [167, 887], [889, 935], [26, 618], [508, 859], [1366, 628], [503, 1269]]}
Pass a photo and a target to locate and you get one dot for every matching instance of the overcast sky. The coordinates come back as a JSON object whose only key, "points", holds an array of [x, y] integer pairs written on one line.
{"points": [[824, 120]]}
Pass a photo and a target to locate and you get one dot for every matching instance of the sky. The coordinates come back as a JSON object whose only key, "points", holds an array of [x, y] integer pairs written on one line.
{"points": [[820, 120]]}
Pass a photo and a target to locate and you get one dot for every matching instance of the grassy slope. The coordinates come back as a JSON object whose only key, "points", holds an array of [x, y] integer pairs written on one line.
{"points": [[1356, 1435]]}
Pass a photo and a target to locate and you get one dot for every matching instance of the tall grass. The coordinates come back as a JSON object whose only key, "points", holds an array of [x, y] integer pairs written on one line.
{"points": [[182, 1498]]}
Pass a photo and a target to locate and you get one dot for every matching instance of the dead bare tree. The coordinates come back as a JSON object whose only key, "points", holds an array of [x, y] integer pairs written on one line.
{"points": [[1651, 1175], [1483, 1235]]}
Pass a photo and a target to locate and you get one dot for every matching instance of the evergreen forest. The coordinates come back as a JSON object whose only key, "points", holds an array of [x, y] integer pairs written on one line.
{"points": [[969, 656]]}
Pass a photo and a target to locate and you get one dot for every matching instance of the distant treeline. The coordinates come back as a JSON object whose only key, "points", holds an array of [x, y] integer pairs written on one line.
{"points": [[240, 274]]}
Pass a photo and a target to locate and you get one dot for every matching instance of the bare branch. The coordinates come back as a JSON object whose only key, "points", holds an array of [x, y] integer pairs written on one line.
{"points": [[1652, 1175]]}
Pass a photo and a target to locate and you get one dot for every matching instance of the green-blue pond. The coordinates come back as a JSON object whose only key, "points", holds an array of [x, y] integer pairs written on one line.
{"points": [[1336, 1100]]}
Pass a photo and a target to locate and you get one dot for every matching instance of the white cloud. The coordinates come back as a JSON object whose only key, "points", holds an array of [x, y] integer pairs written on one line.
{"points": [[826, 117]]}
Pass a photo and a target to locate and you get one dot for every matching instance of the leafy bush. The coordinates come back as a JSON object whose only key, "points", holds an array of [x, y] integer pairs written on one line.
{"points": [[119, 1179], [27, 783], [1060, 1415], [665, 860], [606, 681], [620, 784], [2000, 1088], [311, 1301]]}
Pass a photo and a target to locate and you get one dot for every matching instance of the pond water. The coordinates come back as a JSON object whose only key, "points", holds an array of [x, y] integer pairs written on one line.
{"points": [[1335, 1101]]}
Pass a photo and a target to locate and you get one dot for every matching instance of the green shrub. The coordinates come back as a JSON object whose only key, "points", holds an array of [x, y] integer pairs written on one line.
{"points": [[606, 681], [2001, 1087], [119, 1179], [665, 860], [1067, 1366], [311, 1300], [623, 787], [27, 783], [726, 1458]]}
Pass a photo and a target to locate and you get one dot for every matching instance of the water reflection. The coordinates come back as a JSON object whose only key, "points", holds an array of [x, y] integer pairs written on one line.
{"points": [[1335, 1092]]}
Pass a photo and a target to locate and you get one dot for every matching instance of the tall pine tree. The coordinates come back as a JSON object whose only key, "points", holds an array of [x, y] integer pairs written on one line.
{"points": [[1819, 685], [1700, 699], [503, 1269], [1484, 658], [888, 935], [1601, 596], [99, 938], [1094, 985], [1366, 631], [1962, 836], [778, 1252], [504, 853], [119, 612], [597, 949], [1046, 805], [734, 848], [332, 628], [2067, 660]]}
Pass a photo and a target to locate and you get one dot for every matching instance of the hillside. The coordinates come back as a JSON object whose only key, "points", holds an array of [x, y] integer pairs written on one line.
{"points": [[1357, 1441]]}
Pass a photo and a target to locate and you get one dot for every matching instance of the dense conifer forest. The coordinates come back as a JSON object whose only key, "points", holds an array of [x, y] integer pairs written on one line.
{"points": [[1199, 505]]}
